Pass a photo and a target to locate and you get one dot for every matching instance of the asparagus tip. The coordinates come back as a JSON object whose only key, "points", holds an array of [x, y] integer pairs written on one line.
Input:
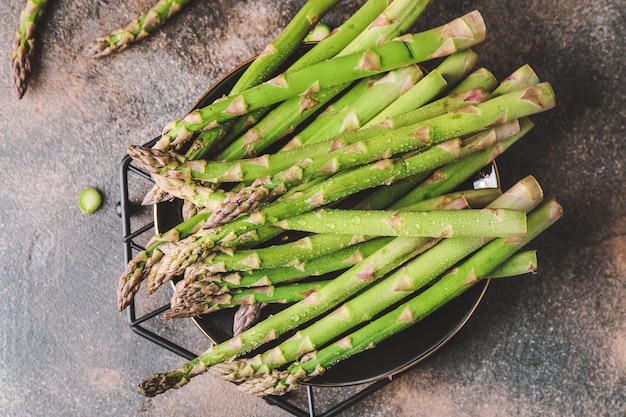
{"points": [[20, 64], [97, 49], [161, 382]]}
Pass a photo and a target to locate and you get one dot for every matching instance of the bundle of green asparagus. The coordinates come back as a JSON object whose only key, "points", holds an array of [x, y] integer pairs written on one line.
{"points": [[338, 189]]}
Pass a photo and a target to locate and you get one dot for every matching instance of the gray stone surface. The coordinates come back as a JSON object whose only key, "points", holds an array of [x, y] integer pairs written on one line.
{"points": [[550, 345]]}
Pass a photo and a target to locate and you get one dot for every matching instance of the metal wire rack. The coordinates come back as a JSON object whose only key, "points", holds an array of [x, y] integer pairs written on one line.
{"points": [[131, 235]]}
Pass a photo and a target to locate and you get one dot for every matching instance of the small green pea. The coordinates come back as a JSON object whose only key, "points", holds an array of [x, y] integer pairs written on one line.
{"points": [[89, 200]]}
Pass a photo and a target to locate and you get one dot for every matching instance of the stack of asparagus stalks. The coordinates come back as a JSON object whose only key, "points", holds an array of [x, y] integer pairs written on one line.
{"points": [[363, 154]]}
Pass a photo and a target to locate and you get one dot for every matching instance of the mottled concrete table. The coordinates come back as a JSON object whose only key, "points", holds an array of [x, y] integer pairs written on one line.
{"points": [[549, 345]]}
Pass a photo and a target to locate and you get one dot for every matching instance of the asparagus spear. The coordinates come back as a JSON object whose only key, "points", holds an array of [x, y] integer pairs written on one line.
{"points": [[411, 277], [24, 44], [136, 30], [462, 33], [521, 78], [451, 285], [437, 223], [519, 264], [283, 294], [278, 255]]}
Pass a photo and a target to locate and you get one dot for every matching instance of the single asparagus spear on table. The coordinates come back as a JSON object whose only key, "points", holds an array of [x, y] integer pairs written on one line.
{"points": [[452, 284], [136, 30], [24, 44]]}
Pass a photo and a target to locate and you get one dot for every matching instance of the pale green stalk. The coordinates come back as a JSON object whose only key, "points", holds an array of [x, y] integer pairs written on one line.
{"points": [[436, 223]]}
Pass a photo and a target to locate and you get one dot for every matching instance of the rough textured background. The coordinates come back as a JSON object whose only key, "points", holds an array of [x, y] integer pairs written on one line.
{"points": [[550, 345]]}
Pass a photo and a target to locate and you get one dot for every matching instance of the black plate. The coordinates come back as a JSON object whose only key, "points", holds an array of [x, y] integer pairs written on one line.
{"points": [[391, 356]]}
